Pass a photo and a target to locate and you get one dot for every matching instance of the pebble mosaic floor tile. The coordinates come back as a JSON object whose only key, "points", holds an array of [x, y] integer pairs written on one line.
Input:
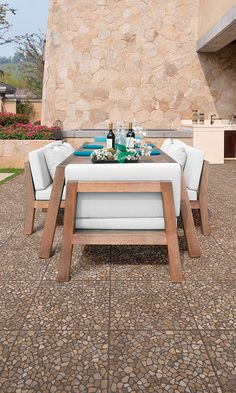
{"points": [[119, 325], [161, 361]]}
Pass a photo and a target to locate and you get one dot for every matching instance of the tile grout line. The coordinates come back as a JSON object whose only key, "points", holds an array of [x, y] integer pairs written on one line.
{"points": [[19, 330], [213, 367], [200, 334], [11, 234], [109, 325], [222, 248]]}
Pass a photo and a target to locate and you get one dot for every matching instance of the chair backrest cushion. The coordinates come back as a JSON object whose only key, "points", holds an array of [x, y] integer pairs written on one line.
{"points": [[178, 153], [193, 164], [193, 167], [39, 169], [120, 205], [166, 144], [54, 155]]}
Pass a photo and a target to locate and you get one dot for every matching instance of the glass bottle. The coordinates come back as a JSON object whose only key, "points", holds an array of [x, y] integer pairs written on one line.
{"points": [[110, 137], [130, 137], [201, 118], [194, 116]]}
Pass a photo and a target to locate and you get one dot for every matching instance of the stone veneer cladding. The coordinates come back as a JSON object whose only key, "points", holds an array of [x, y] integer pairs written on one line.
{"points": [[132, 59]]}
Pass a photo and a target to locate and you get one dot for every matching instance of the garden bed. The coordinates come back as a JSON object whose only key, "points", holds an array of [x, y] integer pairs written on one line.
{"points": [[18, 137]]}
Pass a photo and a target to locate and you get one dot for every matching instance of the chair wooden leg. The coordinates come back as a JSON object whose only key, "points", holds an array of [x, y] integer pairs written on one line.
{"points": [[51, 217], [29, 201], [171, 233], [204, 216], [68, 230], [203, 196], [29, 219], [188, 223]]}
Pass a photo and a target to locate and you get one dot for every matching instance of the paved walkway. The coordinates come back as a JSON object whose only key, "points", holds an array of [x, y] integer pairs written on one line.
{"points": [[119, 325], [4, 176]]}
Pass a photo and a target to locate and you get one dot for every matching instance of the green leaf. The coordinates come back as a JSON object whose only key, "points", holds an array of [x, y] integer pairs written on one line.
{"points": [[121, 157], [120, 147]]}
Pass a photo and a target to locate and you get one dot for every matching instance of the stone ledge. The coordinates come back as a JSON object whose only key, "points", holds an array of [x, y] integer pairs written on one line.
{"points": [[152, 133]]}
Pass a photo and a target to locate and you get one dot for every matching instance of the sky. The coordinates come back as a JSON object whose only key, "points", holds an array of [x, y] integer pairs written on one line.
{"points": [[31, 16]]}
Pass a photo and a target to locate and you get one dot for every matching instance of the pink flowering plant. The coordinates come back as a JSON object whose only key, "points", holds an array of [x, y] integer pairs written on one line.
{"points": [[26, 131], [17, 126], [7, 118]]}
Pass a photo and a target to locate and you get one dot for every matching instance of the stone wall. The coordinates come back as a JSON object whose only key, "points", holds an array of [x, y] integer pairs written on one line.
{"points": [[14, 153], [132, 60]]}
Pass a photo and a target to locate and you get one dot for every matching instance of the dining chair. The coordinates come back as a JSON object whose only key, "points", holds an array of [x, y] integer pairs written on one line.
{"points": [[122, 204], [196, 174], [39, 172]]}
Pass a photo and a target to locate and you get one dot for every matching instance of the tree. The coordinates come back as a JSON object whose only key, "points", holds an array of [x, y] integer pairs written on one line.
{"points": [[30, 48], [11, 77], [4, 24]]}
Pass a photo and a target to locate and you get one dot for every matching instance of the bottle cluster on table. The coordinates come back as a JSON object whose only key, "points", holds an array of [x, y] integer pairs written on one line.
{"points": [[121, 137]]}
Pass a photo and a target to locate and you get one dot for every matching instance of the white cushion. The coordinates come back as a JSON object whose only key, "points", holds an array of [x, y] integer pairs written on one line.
{"points": [[178, 153], [120, 223], [54, 155], [44, 195], [192, 195], [123, 206], [68, 147], [193, 164], [39, 169], [166, 144], [193, 167]]}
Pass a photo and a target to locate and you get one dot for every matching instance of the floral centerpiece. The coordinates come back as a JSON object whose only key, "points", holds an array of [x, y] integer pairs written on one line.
{"points": [[120, 154]]}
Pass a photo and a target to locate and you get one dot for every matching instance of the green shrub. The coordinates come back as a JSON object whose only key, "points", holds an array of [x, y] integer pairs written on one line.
{"points": [[25, 107]]}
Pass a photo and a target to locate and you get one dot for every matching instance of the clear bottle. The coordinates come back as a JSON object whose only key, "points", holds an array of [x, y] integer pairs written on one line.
{"points": [[130, 137], [194, 116], [123, 136], [110, 137], [118, 133], [201, 118]]}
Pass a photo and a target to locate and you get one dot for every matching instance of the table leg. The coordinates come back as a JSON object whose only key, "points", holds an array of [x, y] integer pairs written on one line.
{"points": [[188, 223], [52, 213]]}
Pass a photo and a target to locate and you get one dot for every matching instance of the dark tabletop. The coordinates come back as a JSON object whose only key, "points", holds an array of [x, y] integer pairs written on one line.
{"points": [[159, 158]]}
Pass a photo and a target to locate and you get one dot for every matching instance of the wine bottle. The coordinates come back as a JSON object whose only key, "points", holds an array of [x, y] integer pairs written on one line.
{"points": [[110, 137], [130, 137]]}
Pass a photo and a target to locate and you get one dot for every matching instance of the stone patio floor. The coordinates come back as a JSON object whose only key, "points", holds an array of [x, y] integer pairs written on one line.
{"points": [[119, 325]]}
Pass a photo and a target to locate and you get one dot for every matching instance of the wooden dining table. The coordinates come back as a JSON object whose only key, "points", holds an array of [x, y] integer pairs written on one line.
{"points": [[56, 198]]}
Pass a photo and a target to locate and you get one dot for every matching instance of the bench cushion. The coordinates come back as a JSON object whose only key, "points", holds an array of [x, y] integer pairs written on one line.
{"points": [[44, 195], [120, 223], [123, 208], [192, 195]]}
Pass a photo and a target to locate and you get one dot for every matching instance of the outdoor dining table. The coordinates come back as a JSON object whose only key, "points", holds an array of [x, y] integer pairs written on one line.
{"points": [[56, 196]]}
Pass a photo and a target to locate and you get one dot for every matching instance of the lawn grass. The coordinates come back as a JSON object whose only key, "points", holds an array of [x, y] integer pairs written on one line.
{"points": [[14, 171]]}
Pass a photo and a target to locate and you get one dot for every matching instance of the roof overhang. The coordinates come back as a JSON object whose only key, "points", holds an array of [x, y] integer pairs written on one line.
{"points": [[220, 35]]}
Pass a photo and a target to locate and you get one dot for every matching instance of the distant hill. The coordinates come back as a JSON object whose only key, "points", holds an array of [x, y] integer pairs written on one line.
{"points": [[11, 68], [11, 75]]}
